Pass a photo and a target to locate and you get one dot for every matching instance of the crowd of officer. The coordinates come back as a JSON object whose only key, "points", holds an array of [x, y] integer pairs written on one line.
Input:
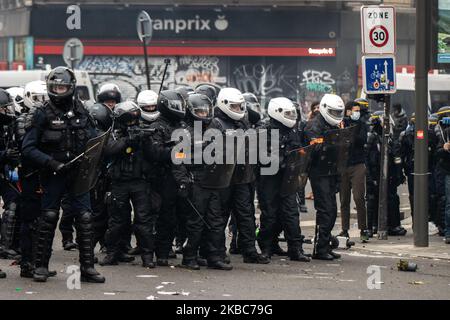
{"points": [[137, 188]]}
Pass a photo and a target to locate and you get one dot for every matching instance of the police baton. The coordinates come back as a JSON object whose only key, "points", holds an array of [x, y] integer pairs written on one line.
{"points": [[198, 213]]}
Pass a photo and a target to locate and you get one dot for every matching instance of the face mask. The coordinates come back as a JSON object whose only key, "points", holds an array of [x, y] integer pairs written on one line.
{"points": [[355, 116]]}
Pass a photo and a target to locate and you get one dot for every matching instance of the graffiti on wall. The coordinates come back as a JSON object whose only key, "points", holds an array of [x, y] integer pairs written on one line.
{"points": [[278, 77], [265, 81], [129, 72]]}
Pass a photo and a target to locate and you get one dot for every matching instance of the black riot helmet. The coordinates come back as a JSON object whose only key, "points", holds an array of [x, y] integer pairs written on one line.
{"points": [[102, 115], [200, 107], [185, 91], [61, 85], [6, 107], [376, 121], [209, 90], [109, 92], [253, 107], [127, 114], [171, 104]]}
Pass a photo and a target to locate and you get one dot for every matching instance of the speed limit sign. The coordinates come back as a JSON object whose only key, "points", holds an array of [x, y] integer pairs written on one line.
{"points": [[378, 30]]}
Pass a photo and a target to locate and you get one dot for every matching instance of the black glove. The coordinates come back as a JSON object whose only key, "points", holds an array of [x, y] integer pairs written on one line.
{"points": [[12, 155], [184, 190], [56, 166]]}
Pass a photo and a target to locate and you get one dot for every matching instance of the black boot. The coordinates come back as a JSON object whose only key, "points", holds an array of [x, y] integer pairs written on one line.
{"points": [[2, 274], [298, 255], [190, 264], [202, 262], [89, 274], [135, 251], [45, 233], [162, 262], [147, 261], [8, 230], [256, 258], [219, 265], [123, 257], [276, 249], [397, 231], [109, 260], [85, 236], [323, 256]]}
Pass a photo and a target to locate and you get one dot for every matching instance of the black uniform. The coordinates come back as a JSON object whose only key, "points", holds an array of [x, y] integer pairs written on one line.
{"points": [[324, 186], [276, 206], [170, 178], [60, 131], [9, 161], [129, 183]]}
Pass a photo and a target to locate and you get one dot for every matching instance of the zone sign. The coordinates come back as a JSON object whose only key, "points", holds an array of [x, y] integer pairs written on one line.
{"points": [[378, 30]]}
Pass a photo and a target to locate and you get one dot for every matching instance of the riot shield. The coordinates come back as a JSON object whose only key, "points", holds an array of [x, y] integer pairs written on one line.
{"points": [[295, 175], [88, 169], [335, 150]]}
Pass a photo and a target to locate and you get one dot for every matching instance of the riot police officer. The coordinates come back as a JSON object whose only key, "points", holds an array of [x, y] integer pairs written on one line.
{"points": [[35, 94], [60, 132], [275, 201], [323, 181], [128, 177], [172, 109], [227, 119], [198, 116], [9, 161]]}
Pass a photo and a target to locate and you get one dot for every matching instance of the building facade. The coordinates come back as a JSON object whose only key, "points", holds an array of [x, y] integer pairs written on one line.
{"points": [[297, 51]]}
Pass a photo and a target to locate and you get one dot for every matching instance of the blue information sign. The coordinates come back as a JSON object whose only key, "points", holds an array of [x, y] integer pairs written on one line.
{"points": [[379, 74]]}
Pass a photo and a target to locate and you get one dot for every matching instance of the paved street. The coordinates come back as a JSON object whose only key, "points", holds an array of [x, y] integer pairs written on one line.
{"points": [[282, 279]]}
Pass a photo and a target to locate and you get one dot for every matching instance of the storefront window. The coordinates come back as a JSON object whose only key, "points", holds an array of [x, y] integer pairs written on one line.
{"points": [[19, 49]]}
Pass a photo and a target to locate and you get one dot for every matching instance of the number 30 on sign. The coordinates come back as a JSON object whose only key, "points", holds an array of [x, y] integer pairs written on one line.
{"points": [[378, 30]]}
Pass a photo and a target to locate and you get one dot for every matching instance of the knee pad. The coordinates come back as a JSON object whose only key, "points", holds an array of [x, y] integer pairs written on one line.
{"points": [[50, 216], [85, 217]]}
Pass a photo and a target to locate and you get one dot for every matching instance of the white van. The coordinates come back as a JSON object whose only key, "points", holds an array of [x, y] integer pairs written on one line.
{"points": [[438, 91], [21, 78]]}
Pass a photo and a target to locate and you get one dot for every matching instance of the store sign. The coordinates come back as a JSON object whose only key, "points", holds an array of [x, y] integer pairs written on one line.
{"points": [[189, 23]]}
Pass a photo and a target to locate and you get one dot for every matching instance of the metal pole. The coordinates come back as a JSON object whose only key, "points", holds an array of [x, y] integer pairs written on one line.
{"points": [[384, 173], [420, 222], [147, 72]]}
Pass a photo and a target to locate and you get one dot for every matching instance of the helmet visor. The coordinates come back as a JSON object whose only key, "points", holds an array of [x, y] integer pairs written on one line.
{"points": [[237, 107], [253, 106], [290, 114], [58, 87], [177, 105], [202, 112], [337, 114], [149, 108]]}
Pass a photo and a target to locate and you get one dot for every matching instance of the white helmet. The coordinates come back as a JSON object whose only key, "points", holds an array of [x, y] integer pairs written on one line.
{"points": [[35, 93], [16, 94], [147, 101], [232, 103], [332, 109], [283, 110]]}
